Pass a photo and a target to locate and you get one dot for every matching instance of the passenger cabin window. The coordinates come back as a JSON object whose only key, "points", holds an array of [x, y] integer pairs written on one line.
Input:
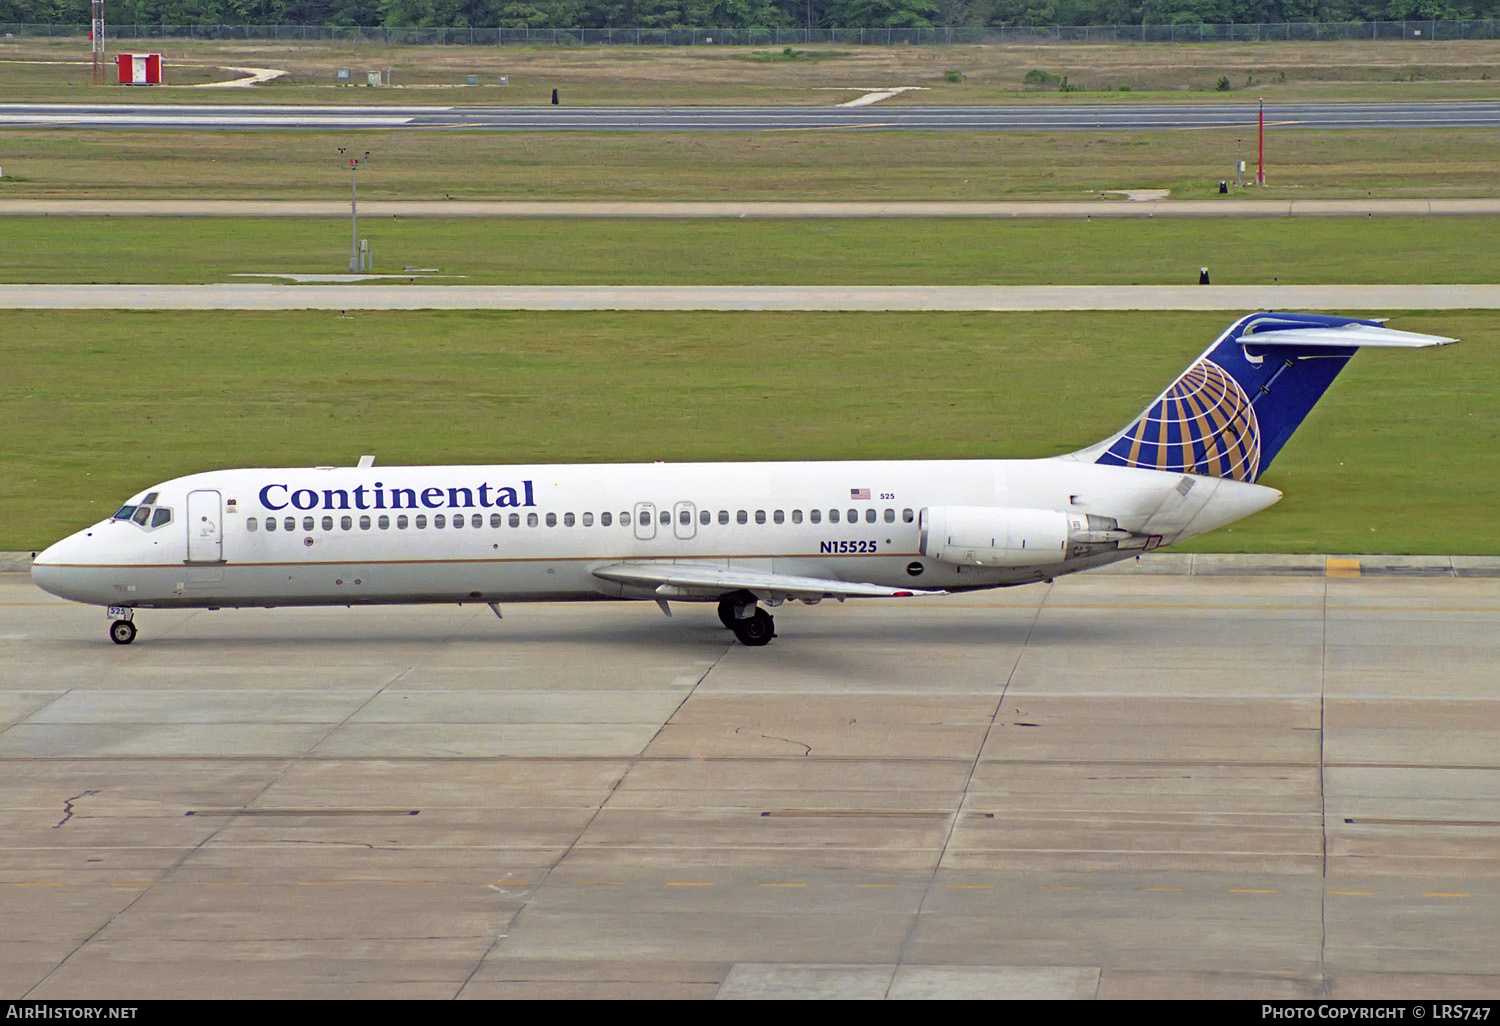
{"points": [[532, 520], [588, 519], [760, 516], [605, 518], [890, 516], [551, 519], [383, 522], [346, 523], [515, 520], [870, 515], [705, 517], [906, 516], [250, 524], [833, 516], [665, 517], [328, 523], [496, 519], [779, 517], [625, 519], [796, 516], [438, 520], [290, 523], [270, 523], [815, 515], [420, 521], [307, 523], [567, 520], [401, 522], [742, 517], [685, 518], [723, 516], [364, 523]]}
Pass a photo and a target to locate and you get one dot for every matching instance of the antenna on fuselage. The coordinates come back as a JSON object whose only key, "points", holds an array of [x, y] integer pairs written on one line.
{"points": [[366, 461]]}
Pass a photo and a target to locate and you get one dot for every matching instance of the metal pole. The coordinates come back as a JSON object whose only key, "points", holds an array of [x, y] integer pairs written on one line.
{"points": [[353, 216], [1260, 163]]}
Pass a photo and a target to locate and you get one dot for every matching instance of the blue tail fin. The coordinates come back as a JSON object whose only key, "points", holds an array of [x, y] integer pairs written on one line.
{"points": [[1230, 413]]}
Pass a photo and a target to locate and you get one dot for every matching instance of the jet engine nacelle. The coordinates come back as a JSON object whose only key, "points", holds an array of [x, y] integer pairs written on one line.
{"points": [[994, 536]]}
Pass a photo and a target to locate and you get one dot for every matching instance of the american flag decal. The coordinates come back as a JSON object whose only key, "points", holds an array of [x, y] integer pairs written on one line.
{"points": [[859, 493]]}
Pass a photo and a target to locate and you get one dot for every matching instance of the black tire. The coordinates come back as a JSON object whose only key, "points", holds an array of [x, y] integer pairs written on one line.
{"points": [[726, 614], [757, 630], [122, 632]]}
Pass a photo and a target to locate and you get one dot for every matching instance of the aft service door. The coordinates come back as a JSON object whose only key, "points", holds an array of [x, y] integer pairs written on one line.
{"points": [[645, 520], [205, 527]]}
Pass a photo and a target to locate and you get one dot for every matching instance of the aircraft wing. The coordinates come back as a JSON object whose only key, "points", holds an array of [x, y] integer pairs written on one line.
{"points": [[707, 581]]}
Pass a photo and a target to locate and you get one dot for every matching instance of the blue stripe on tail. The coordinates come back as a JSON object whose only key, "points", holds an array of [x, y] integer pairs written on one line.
{"points": [[1230, 413]]}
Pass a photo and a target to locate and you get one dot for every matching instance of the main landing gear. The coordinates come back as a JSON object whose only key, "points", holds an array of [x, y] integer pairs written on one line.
{"points": [[122, 632], [751, 625]]}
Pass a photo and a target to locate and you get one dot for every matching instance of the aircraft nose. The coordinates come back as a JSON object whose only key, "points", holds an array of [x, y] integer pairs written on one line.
{"points": [[54, 571]]}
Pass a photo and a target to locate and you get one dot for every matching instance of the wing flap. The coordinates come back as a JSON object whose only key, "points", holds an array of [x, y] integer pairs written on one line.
{"points": [[709, 581]]}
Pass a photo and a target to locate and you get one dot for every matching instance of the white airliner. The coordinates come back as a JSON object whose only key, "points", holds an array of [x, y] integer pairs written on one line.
{"points": [[742, 535]]}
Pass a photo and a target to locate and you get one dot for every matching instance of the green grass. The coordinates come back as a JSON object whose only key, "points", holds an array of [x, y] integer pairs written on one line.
{"points": [[1403, 456], [760, 252], [793, 165]]}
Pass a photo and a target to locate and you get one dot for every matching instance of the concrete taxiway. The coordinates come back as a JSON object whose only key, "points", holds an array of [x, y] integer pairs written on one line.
{"points": [[421, 295], [1126, 785]]}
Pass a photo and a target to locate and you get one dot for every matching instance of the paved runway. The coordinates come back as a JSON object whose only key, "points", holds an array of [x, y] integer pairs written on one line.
{"points": [[1108, 116], [420, 295], [1115, 786]]}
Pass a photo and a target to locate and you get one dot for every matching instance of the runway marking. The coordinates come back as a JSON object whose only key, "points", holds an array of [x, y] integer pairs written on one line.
{"points": [[1446, 894], [971, 887], [1252, 890], [1343, 568], [1358, 894], [1164, 890], [1062, 887], [782, 885], [690, 883]]}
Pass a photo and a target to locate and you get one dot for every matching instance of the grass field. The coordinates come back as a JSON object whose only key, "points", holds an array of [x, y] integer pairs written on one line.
{"points": [[741, 166], [1403, 455], [1281, 72], [765, 252]]}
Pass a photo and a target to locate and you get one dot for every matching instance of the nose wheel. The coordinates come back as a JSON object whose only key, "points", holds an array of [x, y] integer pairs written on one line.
{"points": [[122, 632]]}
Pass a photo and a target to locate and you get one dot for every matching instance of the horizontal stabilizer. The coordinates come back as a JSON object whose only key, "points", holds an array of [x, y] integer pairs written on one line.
{"points": [[1345, 336], [681, 580]]}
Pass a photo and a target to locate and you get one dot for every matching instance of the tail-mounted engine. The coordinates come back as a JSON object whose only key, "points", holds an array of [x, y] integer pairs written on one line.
{"points": [[991, 536]]}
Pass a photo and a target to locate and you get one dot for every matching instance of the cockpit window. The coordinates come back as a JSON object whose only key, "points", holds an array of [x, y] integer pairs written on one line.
{"points": [[150, 499], [145, 515]]}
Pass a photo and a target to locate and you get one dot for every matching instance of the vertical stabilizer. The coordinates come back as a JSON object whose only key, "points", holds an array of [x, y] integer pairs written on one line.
{"points": [[1231, 412]]}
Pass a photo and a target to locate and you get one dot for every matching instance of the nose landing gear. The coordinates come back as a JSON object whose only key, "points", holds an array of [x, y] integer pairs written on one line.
{"points": [[122, 632]]}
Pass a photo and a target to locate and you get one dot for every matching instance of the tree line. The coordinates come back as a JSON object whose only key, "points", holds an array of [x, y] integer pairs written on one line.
{"points": [[736, 13]]}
